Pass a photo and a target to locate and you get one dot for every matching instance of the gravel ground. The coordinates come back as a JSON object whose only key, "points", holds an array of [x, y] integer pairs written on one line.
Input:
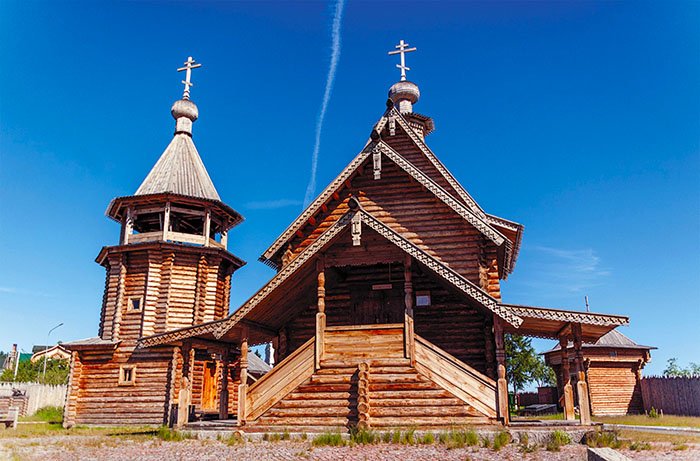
{"points": [[78, 448]]}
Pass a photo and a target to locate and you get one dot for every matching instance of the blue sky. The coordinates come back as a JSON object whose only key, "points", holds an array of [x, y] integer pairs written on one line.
{"points": [[580, 120]]}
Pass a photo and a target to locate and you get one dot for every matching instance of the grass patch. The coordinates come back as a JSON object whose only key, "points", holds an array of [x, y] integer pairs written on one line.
{"points": [[638, 436], [329, 439], [236, 438], [44, 429], [427, 439], [166, 434], [500, 440], [558, 439], [603, 438], [644, 420], [364, 436], [458, 438], [640, 446], [46, 415], [680, 446]]}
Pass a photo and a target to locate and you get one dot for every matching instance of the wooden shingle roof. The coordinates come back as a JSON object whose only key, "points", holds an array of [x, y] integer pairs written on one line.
{"points": [[180, 170]]}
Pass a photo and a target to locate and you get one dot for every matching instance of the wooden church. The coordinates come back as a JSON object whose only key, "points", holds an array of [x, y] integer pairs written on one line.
{"points": [[385, 310]]}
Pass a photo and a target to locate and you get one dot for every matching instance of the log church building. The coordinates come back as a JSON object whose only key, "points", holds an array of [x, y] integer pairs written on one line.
{"points": [[385, 310]]}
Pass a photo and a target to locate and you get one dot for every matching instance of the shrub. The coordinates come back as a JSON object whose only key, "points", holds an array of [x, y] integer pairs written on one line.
{"points": [[427, 439], [653, 413], [285, 435], [329, 439], [500, 440], [236, 438], [602, 438], [679, 446], [557, 439], [408, 437], [458, 438]]}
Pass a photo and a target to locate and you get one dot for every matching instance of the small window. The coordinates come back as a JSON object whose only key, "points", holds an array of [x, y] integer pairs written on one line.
{"points": [[613, 354], [127, 375], [135, 304], [423, 298]]}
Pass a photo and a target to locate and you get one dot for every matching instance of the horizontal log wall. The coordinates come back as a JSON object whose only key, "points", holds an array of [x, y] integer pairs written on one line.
{"points": [[613, 389], [675, 396], [101, 400]]}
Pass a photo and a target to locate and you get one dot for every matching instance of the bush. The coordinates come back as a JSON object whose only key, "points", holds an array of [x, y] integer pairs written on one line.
{"points": [[328, 439], [33, 372], [500, 440], [653, 413], [458, 438], [639, 446], [558, 439], [602, 438], [427, 439], [235, 438]]}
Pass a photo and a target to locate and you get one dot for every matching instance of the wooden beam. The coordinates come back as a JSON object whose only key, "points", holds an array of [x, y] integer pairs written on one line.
{"points": [[567, 399], [243, 386], [207, 227], [321, 314], [501, 383], [260, 327], [581, 384]]}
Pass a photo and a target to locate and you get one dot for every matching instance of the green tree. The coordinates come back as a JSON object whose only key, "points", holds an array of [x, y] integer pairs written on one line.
{"points": [[544, 375], [524, 365], [28, 371], [673, 370]]}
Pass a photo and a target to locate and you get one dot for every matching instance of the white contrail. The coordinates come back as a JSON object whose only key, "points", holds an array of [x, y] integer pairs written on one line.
{"points": [[335, 57]]}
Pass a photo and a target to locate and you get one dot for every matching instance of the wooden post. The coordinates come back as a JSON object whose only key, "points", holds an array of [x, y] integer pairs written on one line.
{"points": [[409, 337], [243, 386], [584, 406], [128, 227], [501, 383], [166, 222], [185, 396], [207, 227], [223, 398], [321, 314], [568, 397], [224, 239]]}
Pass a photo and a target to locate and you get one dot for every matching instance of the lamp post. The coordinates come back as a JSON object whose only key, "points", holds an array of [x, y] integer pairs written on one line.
{"points": [[43, 378]]}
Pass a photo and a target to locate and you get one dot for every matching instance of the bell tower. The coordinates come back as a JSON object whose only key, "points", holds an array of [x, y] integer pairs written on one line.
{"points": [[171, 268]]}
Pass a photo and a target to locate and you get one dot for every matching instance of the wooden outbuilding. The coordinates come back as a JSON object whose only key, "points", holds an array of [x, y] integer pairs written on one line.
{"points": [[613, 367], [385, 310]]}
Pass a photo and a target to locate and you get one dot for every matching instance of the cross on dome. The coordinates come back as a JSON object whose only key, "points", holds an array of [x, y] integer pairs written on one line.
{"points": [[189, 65], [402, 49]]}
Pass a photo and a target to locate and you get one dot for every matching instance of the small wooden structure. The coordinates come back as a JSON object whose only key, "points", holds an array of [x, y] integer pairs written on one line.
{"points": [[613, 366], [385, 310], [55, 352]]}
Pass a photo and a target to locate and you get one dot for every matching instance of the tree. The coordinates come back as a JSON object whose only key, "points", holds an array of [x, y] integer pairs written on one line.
{"points": [[523, 365], [673, 370], [28, 371], [544, 375]]}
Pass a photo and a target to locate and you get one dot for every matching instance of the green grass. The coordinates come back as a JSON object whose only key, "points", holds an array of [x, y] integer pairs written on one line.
{"points": [[458, 438], [500, 440], [364, 436], [602, 438], [166, 434], [329, 439], [45, 414], [644, 420], [558, 439], [44, 429]]}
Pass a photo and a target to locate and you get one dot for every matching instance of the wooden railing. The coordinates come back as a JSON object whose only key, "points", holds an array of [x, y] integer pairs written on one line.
{"points": [[466, 383], [280, 381]]}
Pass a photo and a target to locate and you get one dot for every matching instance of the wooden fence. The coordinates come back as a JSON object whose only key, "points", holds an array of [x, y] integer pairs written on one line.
{"points": [[39, 395], [675, 396]]}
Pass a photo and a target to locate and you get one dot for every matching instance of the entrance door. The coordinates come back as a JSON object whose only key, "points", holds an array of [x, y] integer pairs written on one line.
{"points": [[209, 387], [373, 306]]}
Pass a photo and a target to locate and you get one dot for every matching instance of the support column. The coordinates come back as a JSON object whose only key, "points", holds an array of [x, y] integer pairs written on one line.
{"points": [[501, 383], [207, 227], [321, 314], [409, 337], [185, 396], [584, 406], [166, 222], [223, 397], [567, 399], [243, 386]]}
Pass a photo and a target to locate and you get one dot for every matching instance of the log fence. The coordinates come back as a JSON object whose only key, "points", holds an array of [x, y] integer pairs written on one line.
{"points": [[673, 396], [37, 396]]}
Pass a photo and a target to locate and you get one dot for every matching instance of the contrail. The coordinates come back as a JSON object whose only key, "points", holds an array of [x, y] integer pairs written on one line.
{"points": [[335, 57]]}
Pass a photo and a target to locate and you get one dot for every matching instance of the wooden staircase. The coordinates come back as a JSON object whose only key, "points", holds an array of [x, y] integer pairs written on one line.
{"points": [[367, 377]]}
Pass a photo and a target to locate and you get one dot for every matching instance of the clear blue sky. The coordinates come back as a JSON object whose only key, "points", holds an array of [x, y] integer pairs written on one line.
{"points": [[579, 120]]}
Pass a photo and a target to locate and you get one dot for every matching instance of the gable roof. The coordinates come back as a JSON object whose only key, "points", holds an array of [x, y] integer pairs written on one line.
{"points": [[220, 327], [380, 147], [613, 339], [179, 170]]}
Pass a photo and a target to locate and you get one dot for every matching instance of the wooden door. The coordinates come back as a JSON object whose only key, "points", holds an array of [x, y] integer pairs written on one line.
{"points": [[209, 385], [377, 306]]}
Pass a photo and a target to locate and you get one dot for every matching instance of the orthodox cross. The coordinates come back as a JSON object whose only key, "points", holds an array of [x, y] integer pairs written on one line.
{"points": [[189, 65], [402, 49]]}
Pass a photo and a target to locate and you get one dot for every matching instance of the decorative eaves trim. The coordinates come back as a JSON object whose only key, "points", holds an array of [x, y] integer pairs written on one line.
{"points": [[438, 164], [447, 273], [179, 334], [437, 190], [568, 316], [313, 208]]}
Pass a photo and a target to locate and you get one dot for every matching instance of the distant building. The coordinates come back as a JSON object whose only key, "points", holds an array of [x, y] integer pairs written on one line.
{"points": [[613, 366], [56, 352]]}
